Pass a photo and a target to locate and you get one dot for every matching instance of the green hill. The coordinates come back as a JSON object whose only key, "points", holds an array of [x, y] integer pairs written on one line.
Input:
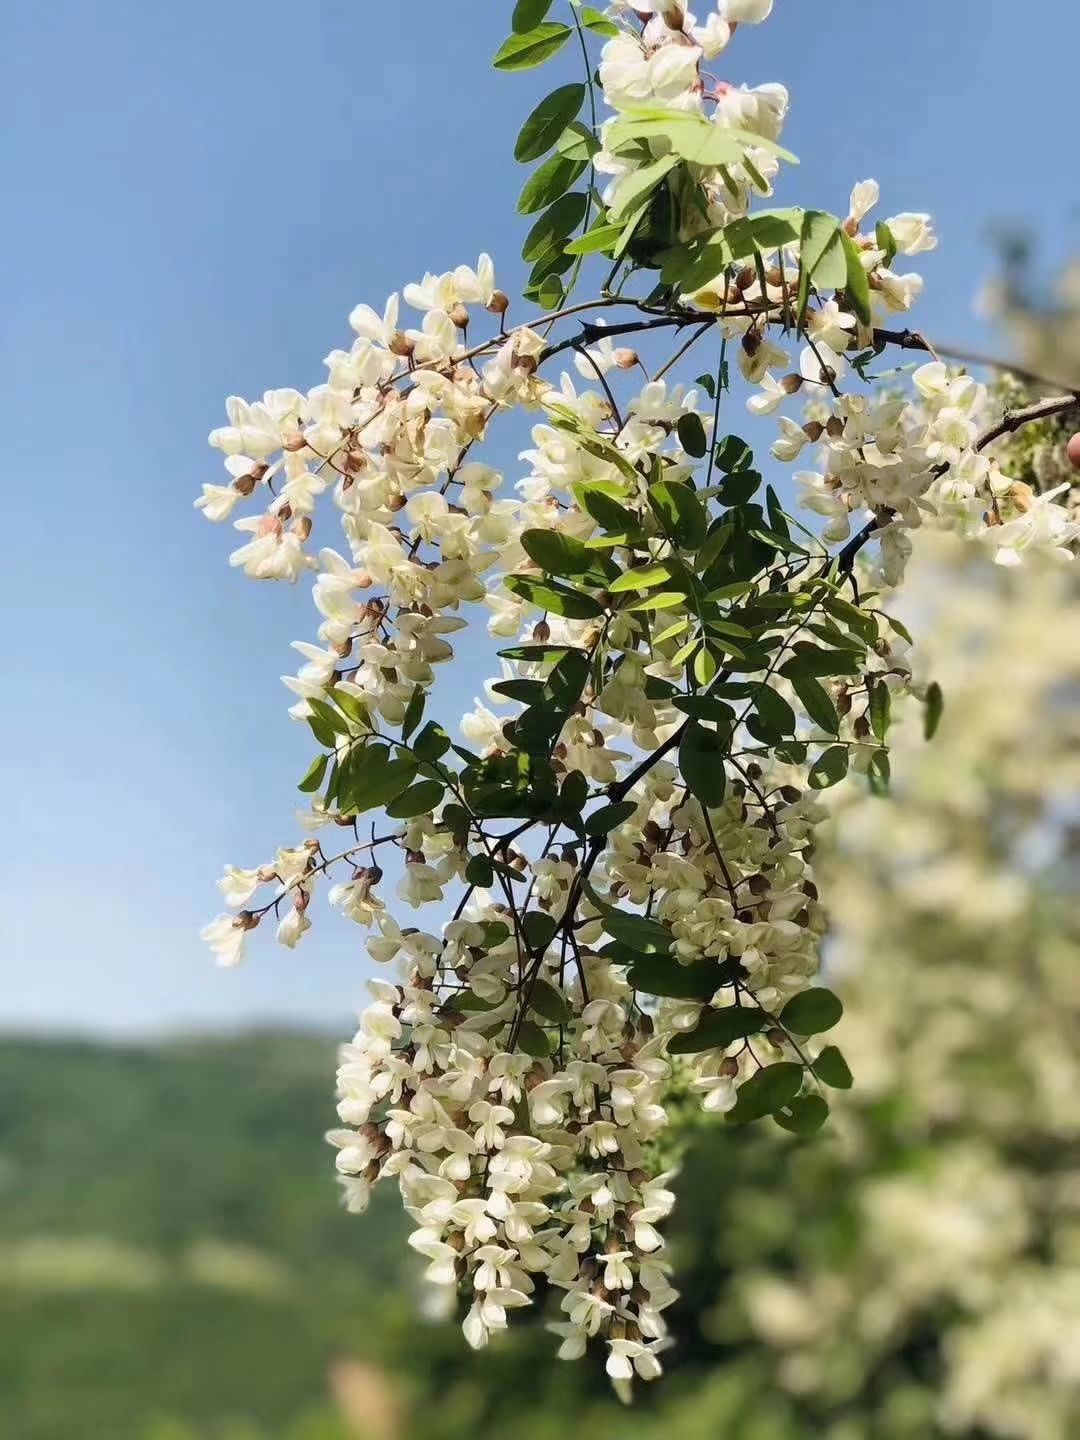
{"points": [[170, 1239]]}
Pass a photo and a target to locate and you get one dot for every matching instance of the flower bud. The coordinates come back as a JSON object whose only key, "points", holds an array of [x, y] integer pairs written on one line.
{"points": [[499, 303], [626, 359], [460, 316], [400, 344]]}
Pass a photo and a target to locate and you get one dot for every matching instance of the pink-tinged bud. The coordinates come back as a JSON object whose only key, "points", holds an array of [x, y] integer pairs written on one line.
{"points": [[745, 278], [460, 316], [499, 303], [626, 359]]}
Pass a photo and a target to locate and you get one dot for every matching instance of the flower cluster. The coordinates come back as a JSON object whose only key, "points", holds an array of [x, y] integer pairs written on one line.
{"points": [[623, 857]]}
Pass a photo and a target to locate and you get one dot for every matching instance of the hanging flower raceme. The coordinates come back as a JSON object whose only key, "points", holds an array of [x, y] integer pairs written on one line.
{"points": [[619, 856]]}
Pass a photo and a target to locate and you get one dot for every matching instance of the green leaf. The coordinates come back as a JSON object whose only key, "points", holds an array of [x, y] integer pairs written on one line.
{"points": [[733, 453], [609, 817], [414, 712], [663, 975], [811, 1011], [766, 1092], [692, 435], [616, 519], [330, 716], [810, 660], [528, 14], [550, 595], [432, 743], [805, 1115], [637, 931], [350, 705], [547, 122], [313, 777], [480, 871], [775, 711], [857, 282], [738, 487], [641, 183], [534, 1041], [549, 1002], [552, 179], [679, 510], [538, 928], [879, 772], [832, 1069], [419, 799], [577, 142], [701, 761], [880, 708], [706, 707], [829, 768], [817, 702], [548, 236], [935, 708], [886, 241], [371, 780], [596, 22], [560, 554], [691, 137], [643, 577], [823, 258], [529, 48], [717, 1029], [599, 238]]}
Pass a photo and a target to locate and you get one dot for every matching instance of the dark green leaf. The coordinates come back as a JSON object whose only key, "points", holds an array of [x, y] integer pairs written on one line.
{"points": [[701, 761], [414, 713], [692, 436], [935, 708], [775, 711], [534, 1041], [479, 871], [549, 235], [817, 702], [549, 1002], [663, 975], [558, 599], [538, 928], [547, 122], [810, 660], [811, 1011], [552, 179], [717, 1029], [832, 1069], [880, 708], [419, 799], [767, 1091], [432, 743], [561, 554], [732, 453], [805, 1115], [577, 142], [829, 768], [609, 817]]}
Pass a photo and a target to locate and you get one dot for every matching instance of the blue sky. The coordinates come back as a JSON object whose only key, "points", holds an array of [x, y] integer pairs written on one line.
{"points": [[197, 195]]}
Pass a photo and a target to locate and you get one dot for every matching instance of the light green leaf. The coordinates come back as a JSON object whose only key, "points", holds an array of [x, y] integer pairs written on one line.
{"points": [[644, 577], [550, 595], [531, 47], [641, 184]]}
